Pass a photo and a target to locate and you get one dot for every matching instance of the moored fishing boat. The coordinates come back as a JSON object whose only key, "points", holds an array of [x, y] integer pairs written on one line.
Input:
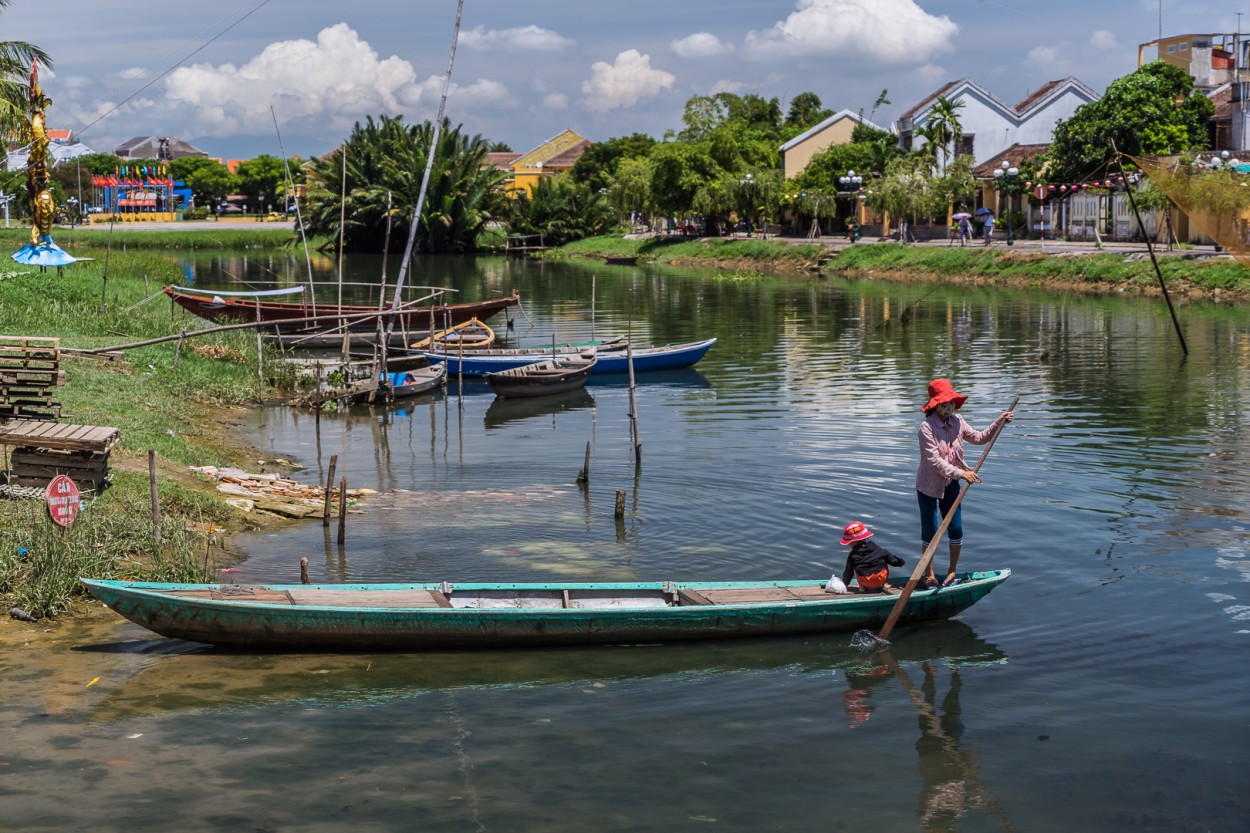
{"points": [[487, 615], [666, 357], [473, 334], [309, 316], [551, 376], [414, 382]]}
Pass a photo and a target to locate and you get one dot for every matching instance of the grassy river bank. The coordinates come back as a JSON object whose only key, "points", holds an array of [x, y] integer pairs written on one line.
{"points": [[184, 412]]}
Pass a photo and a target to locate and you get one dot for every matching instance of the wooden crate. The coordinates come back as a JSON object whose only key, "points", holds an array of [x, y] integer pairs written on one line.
{"points": [[37, 466]]}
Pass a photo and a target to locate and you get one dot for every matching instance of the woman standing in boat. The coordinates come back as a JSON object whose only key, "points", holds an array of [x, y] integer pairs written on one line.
{"points": [[942, 436]]}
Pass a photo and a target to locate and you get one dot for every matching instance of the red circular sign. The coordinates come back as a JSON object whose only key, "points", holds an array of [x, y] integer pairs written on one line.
{"points": [[62, 499], [1040, 193]]}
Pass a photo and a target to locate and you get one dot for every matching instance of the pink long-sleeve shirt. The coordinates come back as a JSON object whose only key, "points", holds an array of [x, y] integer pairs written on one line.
{"points": [[942, 451]]}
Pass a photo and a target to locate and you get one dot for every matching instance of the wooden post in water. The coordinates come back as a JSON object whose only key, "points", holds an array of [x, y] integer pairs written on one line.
{"points": [[619, 511], [303, 570], [325, 513], [260, 368], [342, 511], [583, 476], [156, 499], [633, 402]]}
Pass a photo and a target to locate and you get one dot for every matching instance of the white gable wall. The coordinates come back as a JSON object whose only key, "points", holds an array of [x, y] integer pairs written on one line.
{"points": [[995, 128]]}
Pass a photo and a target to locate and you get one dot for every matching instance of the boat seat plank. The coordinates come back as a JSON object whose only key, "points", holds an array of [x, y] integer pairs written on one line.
{"points": [[749, 595], [693, 597], [326, 597]]}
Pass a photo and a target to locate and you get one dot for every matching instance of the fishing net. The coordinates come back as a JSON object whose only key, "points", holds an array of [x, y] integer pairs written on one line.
{"points": [[866, 642], [1214, 193]]}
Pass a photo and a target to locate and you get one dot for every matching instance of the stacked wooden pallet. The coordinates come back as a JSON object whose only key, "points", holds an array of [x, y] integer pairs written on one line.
{"points": [[29, 369], [42, 450]]}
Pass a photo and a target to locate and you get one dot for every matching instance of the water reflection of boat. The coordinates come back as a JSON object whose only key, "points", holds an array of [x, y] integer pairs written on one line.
{"points": [[502, 411], [686, 377], [207, 679]]}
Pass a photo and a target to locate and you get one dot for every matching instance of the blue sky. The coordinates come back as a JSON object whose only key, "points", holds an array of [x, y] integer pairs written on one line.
{"points": [[210, 72]]}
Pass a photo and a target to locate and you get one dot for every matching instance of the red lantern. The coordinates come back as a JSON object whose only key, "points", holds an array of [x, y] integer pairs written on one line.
{"points": [[1051, 188]]}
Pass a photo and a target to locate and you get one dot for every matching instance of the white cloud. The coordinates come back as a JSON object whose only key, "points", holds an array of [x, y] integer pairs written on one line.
{"points": [[334, 81], [1104, 39], [624, 83], [132, 74], [701, 45], [891, 31], [520, 39], [726, 86], [556, 101], [1043, 55]]}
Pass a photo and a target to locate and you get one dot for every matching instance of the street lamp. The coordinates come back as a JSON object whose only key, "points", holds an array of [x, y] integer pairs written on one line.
{"points": [[1003, 178], [72, 203], [747, 183], [851, 181]]}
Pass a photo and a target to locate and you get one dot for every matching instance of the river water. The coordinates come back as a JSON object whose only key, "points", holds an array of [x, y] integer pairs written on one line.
{"points": [[1103, 687]]}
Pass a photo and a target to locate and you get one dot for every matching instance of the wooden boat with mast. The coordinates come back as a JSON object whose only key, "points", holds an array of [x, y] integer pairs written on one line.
{"points": [[309, 316]]}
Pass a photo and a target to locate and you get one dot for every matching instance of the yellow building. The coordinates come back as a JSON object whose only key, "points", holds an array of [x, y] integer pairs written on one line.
{"points": [[835, 130], [556, 155], [1211, 59]]}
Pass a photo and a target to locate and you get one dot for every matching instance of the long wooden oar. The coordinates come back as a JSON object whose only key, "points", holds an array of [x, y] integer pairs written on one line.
{"points": [[923, 563]]}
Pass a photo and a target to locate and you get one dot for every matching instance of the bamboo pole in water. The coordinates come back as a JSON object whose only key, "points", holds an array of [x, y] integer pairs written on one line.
{"points": [[325, 512]]}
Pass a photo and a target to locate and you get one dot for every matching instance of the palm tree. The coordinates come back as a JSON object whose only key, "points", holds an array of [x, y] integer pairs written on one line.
{"points": [[15, 62], [945, 127], [388, 156]]}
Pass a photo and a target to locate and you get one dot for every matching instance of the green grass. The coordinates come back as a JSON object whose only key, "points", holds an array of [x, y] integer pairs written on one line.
{"points": [[176, 412], [714, 250], [1098, 269], [127, 238]]}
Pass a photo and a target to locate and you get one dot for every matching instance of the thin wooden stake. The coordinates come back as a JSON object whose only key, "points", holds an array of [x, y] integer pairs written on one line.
{"points": [[325, 513], [584, 475], [619, 511], [342, 511], [156, 499], [260, 369], [182, 335], [303, 570]]}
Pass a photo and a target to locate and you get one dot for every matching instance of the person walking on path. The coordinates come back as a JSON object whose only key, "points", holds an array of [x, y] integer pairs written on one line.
{"points": [[942, 436], [965, 231], [989, 229]]}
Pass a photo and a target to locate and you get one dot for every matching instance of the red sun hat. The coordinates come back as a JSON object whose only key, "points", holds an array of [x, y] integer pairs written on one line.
{"points": [[855, 531], [940, 391]]}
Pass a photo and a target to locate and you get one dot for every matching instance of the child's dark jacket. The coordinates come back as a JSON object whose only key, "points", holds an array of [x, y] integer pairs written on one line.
{"points": [[866, 558]]}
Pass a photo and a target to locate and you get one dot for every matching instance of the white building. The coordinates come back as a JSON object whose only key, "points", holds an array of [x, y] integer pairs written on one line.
{"points": [[990, 126]]}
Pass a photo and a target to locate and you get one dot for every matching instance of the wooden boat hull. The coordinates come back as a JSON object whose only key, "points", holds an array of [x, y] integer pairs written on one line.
{"points": [[482, 615], [667, 357], [473, 334], [546, 378], [417, 381], [288, 317]]}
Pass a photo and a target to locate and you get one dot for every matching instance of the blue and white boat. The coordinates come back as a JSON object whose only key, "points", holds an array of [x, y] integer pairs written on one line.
{"points": [[481, 362]]}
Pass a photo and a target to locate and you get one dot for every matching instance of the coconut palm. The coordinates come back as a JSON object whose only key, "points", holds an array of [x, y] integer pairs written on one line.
{"points": [[15, 61], [388, 157], [944, 126]]}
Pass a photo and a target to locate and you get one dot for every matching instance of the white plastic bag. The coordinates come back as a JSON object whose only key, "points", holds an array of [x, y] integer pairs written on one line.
{"points": [[835, 585]]}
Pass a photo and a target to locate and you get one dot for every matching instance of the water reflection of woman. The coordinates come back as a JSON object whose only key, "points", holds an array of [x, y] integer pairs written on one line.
{"points": [[950, 781]]}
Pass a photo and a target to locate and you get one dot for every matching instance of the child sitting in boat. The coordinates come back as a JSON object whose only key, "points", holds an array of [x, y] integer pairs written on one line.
{"points": [[868, 562]]}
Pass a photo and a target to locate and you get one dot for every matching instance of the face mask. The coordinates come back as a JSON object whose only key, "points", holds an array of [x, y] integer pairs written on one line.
{"points": [[945, 410]]}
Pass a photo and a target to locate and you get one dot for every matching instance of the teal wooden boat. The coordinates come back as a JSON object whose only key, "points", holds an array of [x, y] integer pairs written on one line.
{"points": [[494, 615]]}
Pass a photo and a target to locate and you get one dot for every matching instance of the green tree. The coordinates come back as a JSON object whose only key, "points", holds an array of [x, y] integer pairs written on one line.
{"points": [[944, 128], [561, 210], [805, 111], [599, 164], [630, 192], [1151, 111], [263, 179], [208, 179], [15, 61], [387, 157], [906, 190]]}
